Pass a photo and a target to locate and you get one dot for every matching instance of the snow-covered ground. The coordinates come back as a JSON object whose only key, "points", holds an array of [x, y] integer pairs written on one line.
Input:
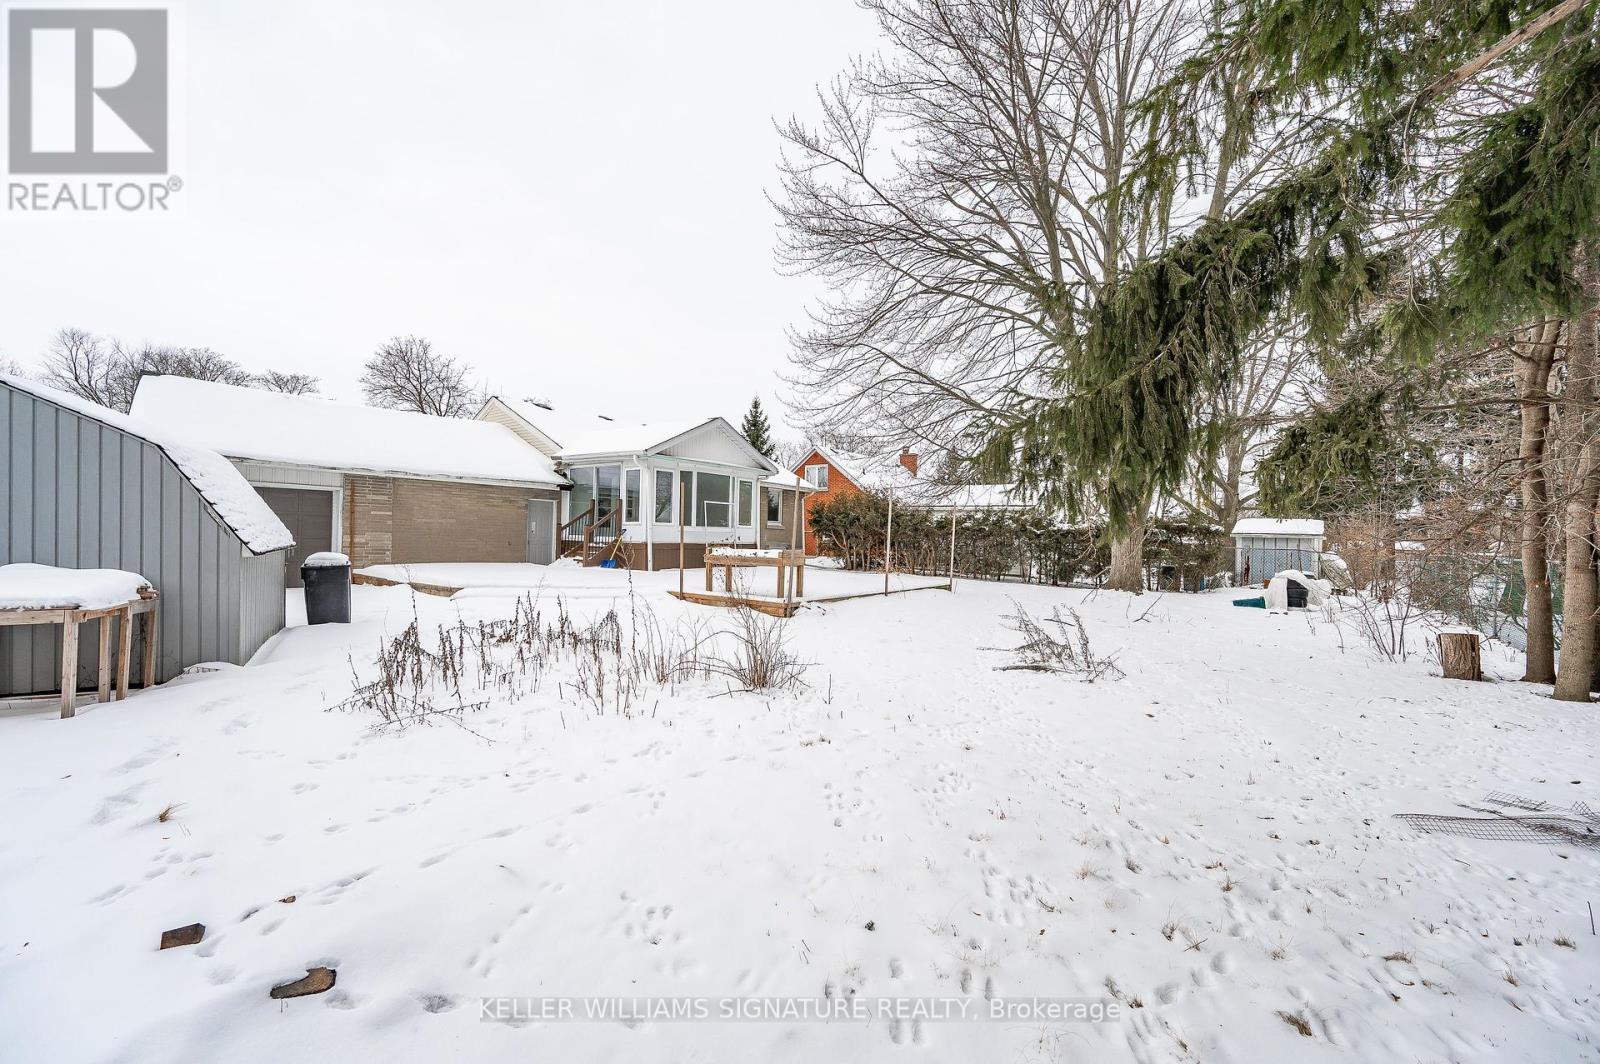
{"points": [[1207, 842], [570, 578]]}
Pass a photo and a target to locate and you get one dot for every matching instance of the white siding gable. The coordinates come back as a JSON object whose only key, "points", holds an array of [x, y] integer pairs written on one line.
{"points": [[709, 443]]}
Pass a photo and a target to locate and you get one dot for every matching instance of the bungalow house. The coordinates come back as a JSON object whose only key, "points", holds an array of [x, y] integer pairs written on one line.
{"points": [[379, 485], [834, 473], [637, 489], [84, 487]]}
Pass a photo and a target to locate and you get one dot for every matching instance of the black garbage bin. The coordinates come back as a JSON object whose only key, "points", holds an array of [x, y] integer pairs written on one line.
{"points": [[1297, 594], [327, 581]]}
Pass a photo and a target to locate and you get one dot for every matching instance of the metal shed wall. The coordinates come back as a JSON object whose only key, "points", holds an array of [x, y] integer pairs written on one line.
{"points": [[1266, 555], [81, 494]]}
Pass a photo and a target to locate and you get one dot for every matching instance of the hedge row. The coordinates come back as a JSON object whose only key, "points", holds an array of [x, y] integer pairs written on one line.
{"points": [[1017, 544]]}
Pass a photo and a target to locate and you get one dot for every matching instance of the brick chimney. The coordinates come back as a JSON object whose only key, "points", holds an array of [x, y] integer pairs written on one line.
{"points": [[908, 458]]}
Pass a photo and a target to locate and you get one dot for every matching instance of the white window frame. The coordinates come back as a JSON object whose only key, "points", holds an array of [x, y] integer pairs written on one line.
{"points": [[773, 493], [729, 504], [738, 503], [638, 494], [672, 496], [820, 482]]}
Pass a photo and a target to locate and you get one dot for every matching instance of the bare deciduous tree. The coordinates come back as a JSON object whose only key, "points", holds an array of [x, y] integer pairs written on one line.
{"points": [[288, 383], [108, 371], [962, 199], [1272, 382], [81, 363], [406, 374]]}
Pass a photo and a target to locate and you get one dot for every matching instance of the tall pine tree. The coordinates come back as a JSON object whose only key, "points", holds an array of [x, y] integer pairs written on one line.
{"points": [[757, 429], [1458, 196], [1503, 199]]}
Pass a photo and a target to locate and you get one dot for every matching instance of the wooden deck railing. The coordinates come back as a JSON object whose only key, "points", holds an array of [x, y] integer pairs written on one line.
{"points": [[597, 533]]}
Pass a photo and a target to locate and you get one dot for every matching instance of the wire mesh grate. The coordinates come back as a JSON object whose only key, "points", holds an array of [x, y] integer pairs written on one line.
{"points": [[1539, 822]]}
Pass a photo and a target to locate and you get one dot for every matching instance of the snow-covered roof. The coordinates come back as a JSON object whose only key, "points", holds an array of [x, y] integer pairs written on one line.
{"points": [[580, 435], [1277, 526], [222, 485], [27, 586], [788, 481], [885, 472], [869, 472], [306, 431]]}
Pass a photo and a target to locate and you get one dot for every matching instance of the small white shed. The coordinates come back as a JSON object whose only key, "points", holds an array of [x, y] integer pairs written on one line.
{"points": [[1263, 546]]}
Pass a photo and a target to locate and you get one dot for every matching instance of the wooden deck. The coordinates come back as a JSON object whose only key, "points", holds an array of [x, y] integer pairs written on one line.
{"points": [[780, 608]]}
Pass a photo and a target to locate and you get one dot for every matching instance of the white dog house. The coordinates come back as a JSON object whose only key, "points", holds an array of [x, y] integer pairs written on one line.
{"points": [[1263, 546]]}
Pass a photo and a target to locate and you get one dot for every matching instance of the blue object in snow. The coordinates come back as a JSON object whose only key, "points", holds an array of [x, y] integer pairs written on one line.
{"points": [[611, 563], [1258, 602]]}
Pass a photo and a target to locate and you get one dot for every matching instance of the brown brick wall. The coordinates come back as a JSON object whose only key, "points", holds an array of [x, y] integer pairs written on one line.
{"points": [[773, 536], [369, 520], [393, 519]]}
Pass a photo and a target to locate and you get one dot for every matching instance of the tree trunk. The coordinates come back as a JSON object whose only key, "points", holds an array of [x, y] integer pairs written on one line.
{"points": [[1127, 560], [1534, 361], [1460, 655], [1579, 426]]}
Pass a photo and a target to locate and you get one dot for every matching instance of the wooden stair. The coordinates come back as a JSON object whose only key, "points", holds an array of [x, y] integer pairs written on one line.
{"points": [[595, 539]]}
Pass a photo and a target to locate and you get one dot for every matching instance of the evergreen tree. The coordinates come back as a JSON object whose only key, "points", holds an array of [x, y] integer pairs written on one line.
{"points": [[1444, 208], [758, 430], [1456, 197]]}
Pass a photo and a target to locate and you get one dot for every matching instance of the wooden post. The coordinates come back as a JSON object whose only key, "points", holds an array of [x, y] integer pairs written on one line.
{"points": [[888, 545], [952, 548], [124, 650], [1461, 655], [102, 691], [147, 670], [69, 663], [797, 542]]}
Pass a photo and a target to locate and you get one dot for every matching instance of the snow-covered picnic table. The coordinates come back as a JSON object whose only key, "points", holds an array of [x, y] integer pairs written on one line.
{"points": [[33, 594]]}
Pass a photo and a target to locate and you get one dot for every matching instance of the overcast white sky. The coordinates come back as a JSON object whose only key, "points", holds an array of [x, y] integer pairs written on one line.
{"points": [[569, 196]]}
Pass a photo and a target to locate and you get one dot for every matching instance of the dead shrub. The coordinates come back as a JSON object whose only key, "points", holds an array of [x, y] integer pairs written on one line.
{"points": [[466, 666], [1066, 649], [755, 653]]}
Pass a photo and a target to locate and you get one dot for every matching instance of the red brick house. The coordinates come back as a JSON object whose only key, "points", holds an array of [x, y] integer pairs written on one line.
{"points": [[834, 473]]}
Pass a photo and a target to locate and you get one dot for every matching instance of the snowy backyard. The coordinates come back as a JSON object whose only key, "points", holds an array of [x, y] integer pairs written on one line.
{"points": [[1206, 843]]}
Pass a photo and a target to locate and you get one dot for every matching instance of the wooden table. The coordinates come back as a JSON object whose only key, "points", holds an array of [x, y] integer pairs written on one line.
{"points": [[69, 619], [784, 561]]}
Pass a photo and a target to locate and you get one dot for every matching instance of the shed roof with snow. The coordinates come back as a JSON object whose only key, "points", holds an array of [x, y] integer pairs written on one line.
{"points": [[1263, 546], [1277, 526], [222, 485], [298, 430], [87, 488]]}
